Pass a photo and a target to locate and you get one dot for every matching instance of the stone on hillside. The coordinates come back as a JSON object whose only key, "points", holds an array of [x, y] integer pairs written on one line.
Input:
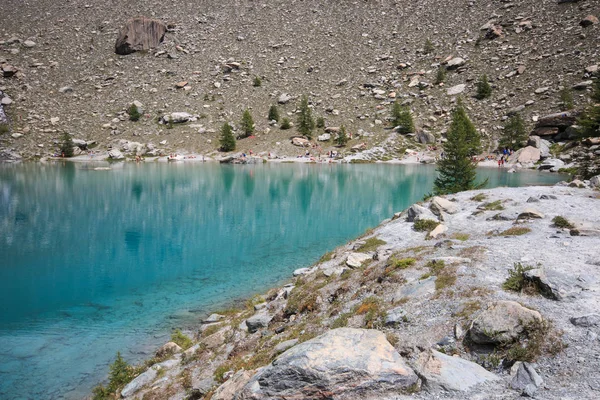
{"points": [[502, 322], [8, 70], [395, 316], [342, 363], [233, 386], [29, 44], [494, 32], [589, 21], [524, 378], [324, 137], [115, 154], [6, 101], [546, 131], [284, 98], [332, 129], [139, 382], [455, 63], [356, 260], [417, 212], [140, 34], [177, 117], [425, 137], [258, 321], [530, 213], [439, 205], [582, 85], [212, 318], [552, 284], [560, 120], [283, 346], [528, 154], [300, 142], [65, 89], [301, 271], [420, 288], [553, 164], [441, 372], [586, 321], [437, 231], [595, 181], [168, 348]]}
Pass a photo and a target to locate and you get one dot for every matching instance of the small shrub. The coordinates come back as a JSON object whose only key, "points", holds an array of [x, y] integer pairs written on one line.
{"points": [[445, 280], [425, 225], [4, 128], [326, 257], [120, 374], [273, 113], [301, 301], [392, 338], [516, 278], [286, 124], [468, 309], [479, 197], [371, 309], [134, 113], [341, 321], [257, 81], [371, 244], [441, 75], [515, 231], [436, 266], [562, 222], [320, 122], [484, 90], [181, 340], [461, 236], [492, 206], [566, 99], [428, 47], [404, 263]]}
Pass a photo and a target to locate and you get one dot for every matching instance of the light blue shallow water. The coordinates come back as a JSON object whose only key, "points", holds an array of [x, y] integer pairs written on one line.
{"points": [[93, 262]]}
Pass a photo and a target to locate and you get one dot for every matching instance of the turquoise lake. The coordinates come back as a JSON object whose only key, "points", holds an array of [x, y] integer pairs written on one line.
{"points": [[98, 261]]}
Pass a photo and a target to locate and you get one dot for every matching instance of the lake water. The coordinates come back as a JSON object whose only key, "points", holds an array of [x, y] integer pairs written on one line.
{"points": [[94, 262]]}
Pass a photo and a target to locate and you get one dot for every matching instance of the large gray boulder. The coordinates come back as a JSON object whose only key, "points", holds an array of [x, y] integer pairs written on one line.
{"points": [[229, 389], [586, 321], [258, 321], [140, 34], [341, 364], [442, 372], [528, 154], [552, 284], [525, 379], [503, 322], [140, 381], [417, 212], [115, 154], [439, 205]]}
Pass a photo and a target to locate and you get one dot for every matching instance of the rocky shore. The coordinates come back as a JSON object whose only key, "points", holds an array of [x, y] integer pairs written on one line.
{"points": [[490, 294]]}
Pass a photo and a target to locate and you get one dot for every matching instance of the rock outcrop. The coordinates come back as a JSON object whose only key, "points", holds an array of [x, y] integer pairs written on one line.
{"points": [[343, 363], [140, 34], [503, 322]]}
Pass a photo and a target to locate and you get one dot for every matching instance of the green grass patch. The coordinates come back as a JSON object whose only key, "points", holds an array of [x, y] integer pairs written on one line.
{"points": [[492, 206], [403, 263], [516, 277], [463, 237], [341, 321], [326, 257], [4, 129], [371, 244], [373, 312], [425, 225], [515, 231], [181, 340], [479, 197], [562, 222]]}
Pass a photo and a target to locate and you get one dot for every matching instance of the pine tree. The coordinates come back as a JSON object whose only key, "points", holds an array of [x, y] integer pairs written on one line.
{"points": [[484, 89], [428, 48], [120, 373], [402, 118], [247, 124], [227, 140], [273, 113], [306, 124], [320, 122], [342, 137], [441, 75], [134, 113], [66, 147], [589, 121], [286, 124], [456, 170], [473, 137], [514, 135], [257, 81]]}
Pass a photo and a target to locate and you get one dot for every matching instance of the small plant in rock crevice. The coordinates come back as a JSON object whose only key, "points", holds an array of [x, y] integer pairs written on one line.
{"points": [[516, 277], [181, 340], [562, 222], [425, 225]]}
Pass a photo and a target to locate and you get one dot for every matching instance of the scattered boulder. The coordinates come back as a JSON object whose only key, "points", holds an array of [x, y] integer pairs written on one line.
{"points": [[213, 318], [437, 231], [586, 321], [552, 164], [503, 322], [417, 212], [342, 363], [177, 118], [300, 142], [139, 382], [284, 98], [589, 21], [458, 89], [283, 346], [439, 205], [455, 63], [8, 70], [115, 154], [395, 316], [559, 120], [356, 260], [441, 372], [525, 379], [233, 386], [258, 321], [551, 284], [528, 154], [425, 137], [168, 348], [324, 137], [140, 34], [530, 213]]}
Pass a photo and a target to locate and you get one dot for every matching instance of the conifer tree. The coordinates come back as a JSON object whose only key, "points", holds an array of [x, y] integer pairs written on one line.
{"points": [[342, 137], [441, 75], [134, 113], [456, 170], [247, 124], [514, 135], [227, 140], [473, 137], [306, 124], [428, 48], [589, 121], [273, 113], [66, 147], [484, 89], [402, 117]]}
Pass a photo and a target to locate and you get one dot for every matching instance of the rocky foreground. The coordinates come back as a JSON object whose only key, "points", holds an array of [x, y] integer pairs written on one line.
{"points": [[480, 295]]}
